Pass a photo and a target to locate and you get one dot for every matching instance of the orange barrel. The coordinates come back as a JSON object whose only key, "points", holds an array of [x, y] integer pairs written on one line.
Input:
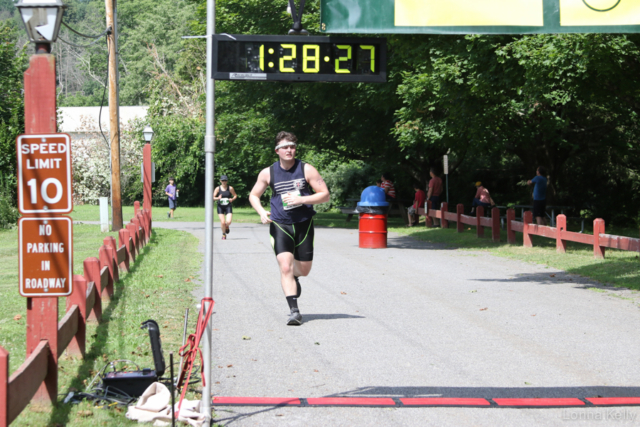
{"points": [[373, 231]]}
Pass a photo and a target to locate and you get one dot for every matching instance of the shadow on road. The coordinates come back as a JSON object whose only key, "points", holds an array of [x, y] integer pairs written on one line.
{"points": [[492, 392], [310, 317]]}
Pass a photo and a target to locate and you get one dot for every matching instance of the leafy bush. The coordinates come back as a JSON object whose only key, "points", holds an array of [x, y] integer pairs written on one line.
{"points": [[8, 213], [346, 181]]}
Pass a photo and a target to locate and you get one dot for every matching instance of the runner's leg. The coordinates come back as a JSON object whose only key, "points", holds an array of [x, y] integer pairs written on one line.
{"points": [[286, 262], [223, 224], [229, 218]]}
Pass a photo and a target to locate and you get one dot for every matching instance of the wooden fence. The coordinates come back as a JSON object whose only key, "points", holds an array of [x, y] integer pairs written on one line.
{"points": [[599, 240], [37, 378]]}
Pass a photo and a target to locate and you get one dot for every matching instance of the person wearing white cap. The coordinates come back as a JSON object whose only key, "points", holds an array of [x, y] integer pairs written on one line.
{"points": [[295, 187], [225, 195]]}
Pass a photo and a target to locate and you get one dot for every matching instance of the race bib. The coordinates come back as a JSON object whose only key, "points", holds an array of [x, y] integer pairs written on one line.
{"points": [[289, 207], [224, 202]]}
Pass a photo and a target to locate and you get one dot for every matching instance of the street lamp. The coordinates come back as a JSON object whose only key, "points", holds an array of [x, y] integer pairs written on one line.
{"points": [[42, 20], [147, 133]]}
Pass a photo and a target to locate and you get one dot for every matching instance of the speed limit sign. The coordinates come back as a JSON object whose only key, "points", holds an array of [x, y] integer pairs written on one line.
{"points": [[44, 174]]}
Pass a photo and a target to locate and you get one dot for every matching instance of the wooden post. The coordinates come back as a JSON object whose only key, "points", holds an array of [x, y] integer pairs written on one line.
{"points": [[123, 239], [114, 116], [479, 228], [146, 185], [79, 297], [136, 207], [495, 224], [598, 229], [110, 242], [92, 274], [561, 227], [134, 237], [459, 213], [40, 117], [4, 387], [527, 218], [443, 215], [511, 235], [106, 261], [428, 221]]}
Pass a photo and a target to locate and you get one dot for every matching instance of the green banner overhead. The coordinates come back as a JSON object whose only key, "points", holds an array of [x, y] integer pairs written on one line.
{"points": [[480, 16]]}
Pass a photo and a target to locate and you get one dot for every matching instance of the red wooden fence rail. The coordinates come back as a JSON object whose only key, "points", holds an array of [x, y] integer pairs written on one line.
{"points": [[84, 304], [599, 240]]}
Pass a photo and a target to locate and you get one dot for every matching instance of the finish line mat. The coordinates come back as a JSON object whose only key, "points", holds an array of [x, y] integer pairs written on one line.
{"points": [[416, 402]]}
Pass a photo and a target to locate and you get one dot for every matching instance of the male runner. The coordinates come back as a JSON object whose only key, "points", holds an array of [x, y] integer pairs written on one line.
{"points": [[291, 216]]}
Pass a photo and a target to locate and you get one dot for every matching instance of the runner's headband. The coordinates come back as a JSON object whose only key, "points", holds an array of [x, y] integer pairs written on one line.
{"points": [[286, 144]]}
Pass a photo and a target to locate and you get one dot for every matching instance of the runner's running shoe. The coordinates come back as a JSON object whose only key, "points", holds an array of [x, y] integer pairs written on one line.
{"points": [[295, 319], [224, 237], [227, 230]]}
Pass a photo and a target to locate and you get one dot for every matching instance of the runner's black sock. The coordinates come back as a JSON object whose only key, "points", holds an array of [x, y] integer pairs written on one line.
{"points": [[293, 302], [299, 288]]}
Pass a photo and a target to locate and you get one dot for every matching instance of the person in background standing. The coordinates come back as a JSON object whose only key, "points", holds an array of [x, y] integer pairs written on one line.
{"points": [[387, 186], [172, 193], [418, 202], [539, 195], [435, 190], [225, 195]]}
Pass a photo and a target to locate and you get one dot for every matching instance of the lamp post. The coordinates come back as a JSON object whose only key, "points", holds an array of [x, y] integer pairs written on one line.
{"points": [[146, 169], [42, 20]]}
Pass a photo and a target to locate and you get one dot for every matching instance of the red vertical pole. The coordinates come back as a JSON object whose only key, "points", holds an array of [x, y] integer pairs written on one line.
{"points": [[526, 237], [92, 274], [136, 207], [459, 213], [561, 227], [4, 387], [428, 221], [79, 297], [598, 229], [495, 224], [511, 235], [40, 117], [443, 215], [146, 167], [479, 228], [110, 243]]}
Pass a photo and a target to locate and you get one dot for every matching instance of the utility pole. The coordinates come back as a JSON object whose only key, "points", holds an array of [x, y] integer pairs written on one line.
{"points": [[209, 152], [114, 116]]}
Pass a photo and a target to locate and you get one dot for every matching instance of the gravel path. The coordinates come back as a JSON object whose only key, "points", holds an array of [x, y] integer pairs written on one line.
{"points": [[415, 320]]}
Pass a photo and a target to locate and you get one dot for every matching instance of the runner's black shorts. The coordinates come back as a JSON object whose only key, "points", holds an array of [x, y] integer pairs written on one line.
{"points": [[539, 208], [294, 238], [226, 209]]}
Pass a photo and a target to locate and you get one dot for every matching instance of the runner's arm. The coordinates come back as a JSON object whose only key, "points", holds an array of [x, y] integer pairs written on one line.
{"points": [[233, 192], [215, 192], [257, 191]]}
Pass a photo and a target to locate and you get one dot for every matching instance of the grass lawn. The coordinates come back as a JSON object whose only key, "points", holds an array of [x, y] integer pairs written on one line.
{"points": [[619, 268], [158, 287]]}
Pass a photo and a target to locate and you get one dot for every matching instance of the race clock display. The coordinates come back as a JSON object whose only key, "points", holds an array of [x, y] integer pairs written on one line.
{"points": [[299, 58]]}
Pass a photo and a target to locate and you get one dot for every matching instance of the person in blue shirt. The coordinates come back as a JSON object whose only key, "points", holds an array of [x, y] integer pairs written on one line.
{"points": [[539, 195], [172, 193]]}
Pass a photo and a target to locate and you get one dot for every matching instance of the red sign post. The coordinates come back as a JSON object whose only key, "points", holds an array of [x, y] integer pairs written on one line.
{"points": [[45, 256]]}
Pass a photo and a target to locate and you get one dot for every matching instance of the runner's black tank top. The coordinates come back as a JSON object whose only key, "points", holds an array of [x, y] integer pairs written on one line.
{"points": [[225, 194], [287, 181]]}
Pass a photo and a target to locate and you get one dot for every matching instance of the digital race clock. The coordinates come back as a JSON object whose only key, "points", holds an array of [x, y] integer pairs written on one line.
{"points": [[299, 58]]}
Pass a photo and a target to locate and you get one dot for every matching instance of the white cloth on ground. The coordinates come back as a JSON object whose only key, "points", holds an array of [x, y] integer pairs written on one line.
{"points": [[154, 406]]}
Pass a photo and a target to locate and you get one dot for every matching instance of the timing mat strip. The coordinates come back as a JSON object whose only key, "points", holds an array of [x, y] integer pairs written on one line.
{"points": [[417, 402]]}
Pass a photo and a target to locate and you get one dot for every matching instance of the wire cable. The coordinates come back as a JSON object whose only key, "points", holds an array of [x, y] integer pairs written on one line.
{"points": [[78, 45], [107, 31]]}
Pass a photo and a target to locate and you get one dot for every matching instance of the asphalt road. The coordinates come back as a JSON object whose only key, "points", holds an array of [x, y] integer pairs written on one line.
{"points": [[415, 320]]}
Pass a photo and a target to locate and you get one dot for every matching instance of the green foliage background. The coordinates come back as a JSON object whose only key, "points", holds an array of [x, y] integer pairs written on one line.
{"points": [[499, 106]]}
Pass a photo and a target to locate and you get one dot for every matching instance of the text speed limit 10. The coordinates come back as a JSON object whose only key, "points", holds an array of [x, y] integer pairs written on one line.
{"points": [[44, 174], [291, 58]]}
